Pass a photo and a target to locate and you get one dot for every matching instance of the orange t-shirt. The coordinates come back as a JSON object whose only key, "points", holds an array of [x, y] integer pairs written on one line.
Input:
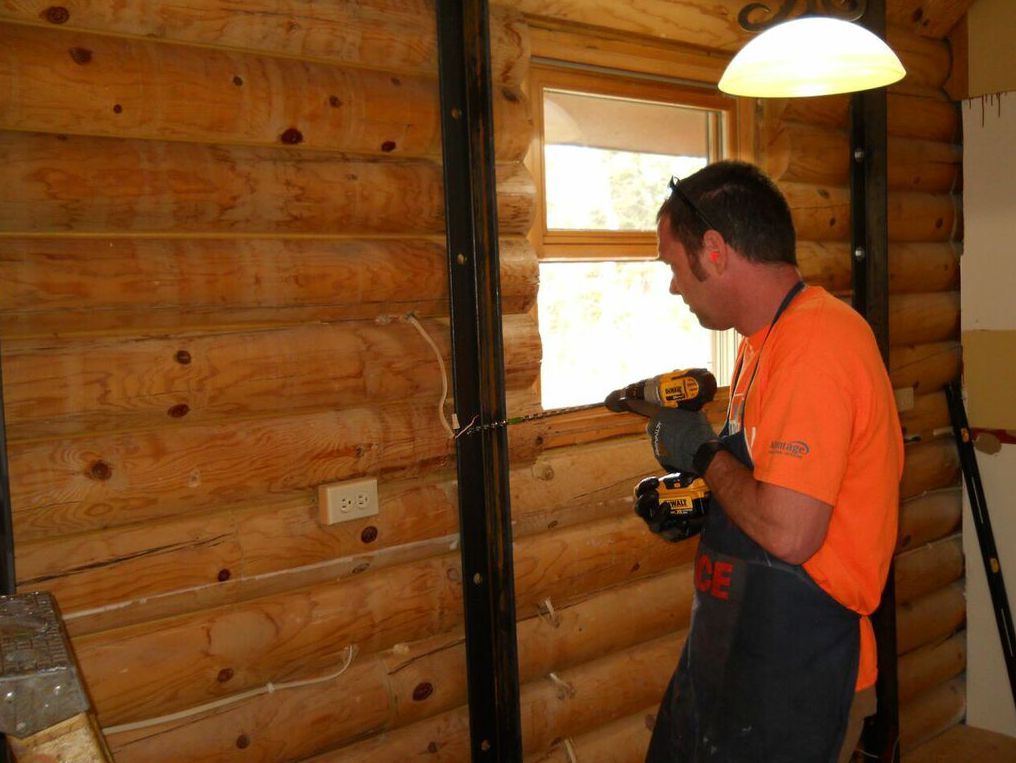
{"points": [[821, 420]]}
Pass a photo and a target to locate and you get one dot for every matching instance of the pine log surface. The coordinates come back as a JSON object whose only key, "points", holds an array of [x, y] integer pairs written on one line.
{"points": [[622, 741], [299, 633], [51, 183], [427, 678], [283, 205], [388, 35], [70, 287], [55, 83], [239, 554]]}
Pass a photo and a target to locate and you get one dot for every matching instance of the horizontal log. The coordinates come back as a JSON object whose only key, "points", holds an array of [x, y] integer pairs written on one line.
{"points": [[913, 267], [923, 217], [931, 713], [924, 318], [70, 286], [928, 18], [822, 213], [932, 117], [80, 388], [925, 367], [557, 639], [598, 692], [240, 553], [55, 184], [825, 263], [629, 681], [140, 88], [712, 26], [928, 62], [570, 485], [929, 517], [102, 568], [930, 618], [622, 741], [273, 638], [922, 570], [924, 165], [555, 40], [390, 35], [99, 482], [923, 669], [802, 153], [923, 267], [928, 466], [387, 687], [927, 419]]}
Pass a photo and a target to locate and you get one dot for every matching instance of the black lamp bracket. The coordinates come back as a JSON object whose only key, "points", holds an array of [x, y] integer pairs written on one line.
{"points": [[846, 10]]}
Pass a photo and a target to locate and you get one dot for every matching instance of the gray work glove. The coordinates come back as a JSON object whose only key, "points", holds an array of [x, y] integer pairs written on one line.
{"points": [[675, 435]]}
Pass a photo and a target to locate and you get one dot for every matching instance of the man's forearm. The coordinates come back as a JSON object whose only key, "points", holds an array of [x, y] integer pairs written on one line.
{"points": [[789, 525]]}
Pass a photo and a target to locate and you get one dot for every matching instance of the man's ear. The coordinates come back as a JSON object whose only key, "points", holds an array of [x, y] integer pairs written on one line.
{"points": [[714, 250]]}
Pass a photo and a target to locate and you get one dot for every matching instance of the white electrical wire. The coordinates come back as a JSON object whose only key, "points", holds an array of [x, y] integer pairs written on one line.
{"points": [[564, 689], [268, 688], [550, 615], [411, 319]]}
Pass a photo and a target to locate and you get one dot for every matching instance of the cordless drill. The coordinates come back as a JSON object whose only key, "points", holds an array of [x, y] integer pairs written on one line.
{"points": [[674, 506], [689, 389]]}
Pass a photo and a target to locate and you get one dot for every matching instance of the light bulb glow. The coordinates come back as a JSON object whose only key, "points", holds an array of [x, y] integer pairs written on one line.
{"points": [[811, 56]]}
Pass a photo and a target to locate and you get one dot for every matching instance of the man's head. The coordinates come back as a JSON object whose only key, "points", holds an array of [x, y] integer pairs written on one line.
{"points": [[741, 203]]}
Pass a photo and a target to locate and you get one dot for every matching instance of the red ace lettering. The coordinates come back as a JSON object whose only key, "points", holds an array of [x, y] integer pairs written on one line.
{"points": [[713, 578]]}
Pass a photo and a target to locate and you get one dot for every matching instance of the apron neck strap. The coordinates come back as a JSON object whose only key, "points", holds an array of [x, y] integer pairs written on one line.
{"points": [[796, 289]]}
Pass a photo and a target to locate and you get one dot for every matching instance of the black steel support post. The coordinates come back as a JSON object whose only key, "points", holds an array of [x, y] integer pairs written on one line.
{"points": [[985, 535], [488, 588], [8, 581], [870, 251]]}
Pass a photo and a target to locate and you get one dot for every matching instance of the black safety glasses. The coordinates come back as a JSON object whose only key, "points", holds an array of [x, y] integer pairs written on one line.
{"points": [[675, 187]]}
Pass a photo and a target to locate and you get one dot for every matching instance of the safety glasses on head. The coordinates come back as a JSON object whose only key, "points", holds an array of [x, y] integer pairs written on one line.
{"points": [[675, 188]]}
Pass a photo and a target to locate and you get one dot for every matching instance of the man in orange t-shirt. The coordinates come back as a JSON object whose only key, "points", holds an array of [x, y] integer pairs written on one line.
{"points": [[799, 535]]}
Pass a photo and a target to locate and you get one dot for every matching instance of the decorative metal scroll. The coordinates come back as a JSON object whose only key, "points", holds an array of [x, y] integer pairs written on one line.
{"points": [[847, 10]]}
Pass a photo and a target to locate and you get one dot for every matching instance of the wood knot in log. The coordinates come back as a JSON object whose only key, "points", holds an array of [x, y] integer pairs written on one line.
{"points": [[56, 14], [81, 55]]}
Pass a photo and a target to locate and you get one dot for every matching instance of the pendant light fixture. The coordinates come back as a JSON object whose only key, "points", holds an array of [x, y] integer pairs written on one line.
{"points": [[811, 54]]}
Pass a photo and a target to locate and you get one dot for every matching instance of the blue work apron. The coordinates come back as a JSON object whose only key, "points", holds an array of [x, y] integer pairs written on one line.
{"points": [[768, 671]]}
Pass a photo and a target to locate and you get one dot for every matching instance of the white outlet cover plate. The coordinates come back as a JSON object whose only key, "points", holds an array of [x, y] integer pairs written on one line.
{"points": [[344, 501]]}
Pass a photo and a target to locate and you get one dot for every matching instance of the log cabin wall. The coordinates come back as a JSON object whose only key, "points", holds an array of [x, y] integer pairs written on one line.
{"points": [[215, 221]]}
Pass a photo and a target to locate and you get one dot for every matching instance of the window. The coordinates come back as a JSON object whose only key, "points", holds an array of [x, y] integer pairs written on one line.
{"points": [[609, 146]]}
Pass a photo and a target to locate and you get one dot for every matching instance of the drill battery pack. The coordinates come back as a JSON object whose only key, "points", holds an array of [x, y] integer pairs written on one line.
{"points": [[684, 495]]}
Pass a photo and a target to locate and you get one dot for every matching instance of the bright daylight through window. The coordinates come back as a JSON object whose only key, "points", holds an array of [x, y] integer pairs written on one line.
{"points": [[605, 311]]}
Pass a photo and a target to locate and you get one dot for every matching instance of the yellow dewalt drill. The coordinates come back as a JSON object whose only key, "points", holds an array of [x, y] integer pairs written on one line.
{"points": [[689, 388], [679, 501]]}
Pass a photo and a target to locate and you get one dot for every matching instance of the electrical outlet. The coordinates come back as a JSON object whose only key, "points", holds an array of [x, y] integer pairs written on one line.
{"points": [[342, 501]]}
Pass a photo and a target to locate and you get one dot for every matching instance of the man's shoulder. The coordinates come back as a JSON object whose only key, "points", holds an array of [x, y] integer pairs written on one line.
{"points": [[819, 312], [824, 331]]}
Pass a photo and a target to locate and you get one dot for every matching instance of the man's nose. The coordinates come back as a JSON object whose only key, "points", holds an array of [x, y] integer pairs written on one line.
{"points": [[674, 288]]}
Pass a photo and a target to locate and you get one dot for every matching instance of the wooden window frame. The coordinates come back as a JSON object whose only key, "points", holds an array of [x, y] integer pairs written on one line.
{"points": [[642, 81], [605, 244]]}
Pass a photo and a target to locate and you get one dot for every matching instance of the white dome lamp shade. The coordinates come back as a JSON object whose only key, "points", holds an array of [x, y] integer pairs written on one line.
{"points": [[810, 56]]}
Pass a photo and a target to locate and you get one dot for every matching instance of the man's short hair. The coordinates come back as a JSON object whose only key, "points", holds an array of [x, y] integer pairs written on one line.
{"points": [[740, 202]]}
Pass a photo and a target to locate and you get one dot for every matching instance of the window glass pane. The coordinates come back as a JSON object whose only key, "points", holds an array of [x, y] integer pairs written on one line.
{"points": [[607, 324], [607, 160]]}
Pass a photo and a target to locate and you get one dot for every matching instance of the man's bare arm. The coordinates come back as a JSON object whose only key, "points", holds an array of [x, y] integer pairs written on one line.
{"points": [[789, 525]]}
